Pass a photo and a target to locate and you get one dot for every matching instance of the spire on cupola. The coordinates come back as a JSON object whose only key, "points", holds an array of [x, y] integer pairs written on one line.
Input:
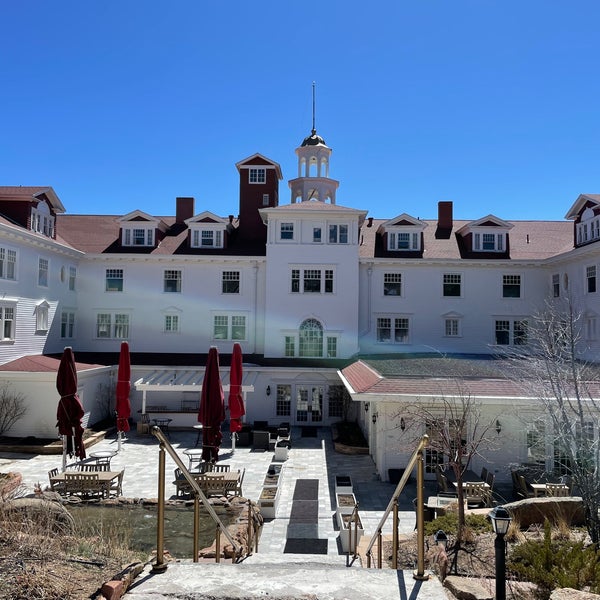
{"points": [[313, 182]]}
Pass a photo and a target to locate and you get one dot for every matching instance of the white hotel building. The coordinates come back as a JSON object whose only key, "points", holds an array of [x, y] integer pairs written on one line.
{"points": [[311, 289]]}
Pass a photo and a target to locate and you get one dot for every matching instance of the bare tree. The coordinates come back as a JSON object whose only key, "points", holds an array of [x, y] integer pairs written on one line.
{"points": [[457, 433], [12, 406], [550, 367]]}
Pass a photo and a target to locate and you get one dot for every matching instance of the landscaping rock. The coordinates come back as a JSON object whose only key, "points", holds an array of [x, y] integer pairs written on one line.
{"points": [[535, 510], [571, 594], [465, 588]]}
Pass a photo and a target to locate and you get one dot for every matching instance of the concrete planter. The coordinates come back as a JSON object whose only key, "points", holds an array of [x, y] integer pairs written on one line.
{"points": [[345, 533], [343, 484], [345, 503], [268, 502]]}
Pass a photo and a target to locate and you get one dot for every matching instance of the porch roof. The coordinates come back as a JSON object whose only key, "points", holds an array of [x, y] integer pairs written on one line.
{"points": [[188, 380]]}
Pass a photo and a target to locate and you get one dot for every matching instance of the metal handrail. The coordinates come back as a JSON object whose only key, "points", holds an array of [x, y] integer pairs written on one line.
{"points": [[416, 459], [199, 496]]}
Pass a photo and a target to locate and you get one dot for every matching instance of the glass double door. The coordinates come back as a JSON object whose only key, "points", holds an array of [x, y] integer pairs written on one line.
{"points": [[309, 404]]}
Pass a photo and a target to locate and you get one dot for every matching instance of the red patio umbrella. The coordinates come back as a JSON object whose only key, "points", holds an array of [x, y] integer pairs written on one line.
{"points": [[122, 406], [212, 408], [236, 399], [70, 411]]}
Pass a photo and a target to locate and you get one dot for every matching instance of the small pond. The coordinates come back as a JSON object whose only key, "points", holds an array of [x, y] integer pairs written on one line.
{"points": [[137, 524]]}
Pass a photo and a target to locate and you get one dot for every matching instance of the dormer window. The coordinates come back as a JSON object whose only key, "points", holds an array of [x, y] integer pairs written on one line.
{"points": [[488, 242], [138, 236], [404, 233], [207, 238], [41, 220], [588, 229]]}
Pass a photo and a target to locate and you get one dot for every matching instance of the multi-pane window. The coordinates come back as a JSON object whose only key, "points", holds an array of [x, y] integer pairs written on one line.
{"points": [[331, 347], [314, 281], [265, 199], [229, 327], [230, 283], [172, 280], [43, 272], [72, 278], [511, 332], [7, 322], [257, 175], [114, 280], [511, 286], [112, 326], [290, 345], [8, 262], [451, 327], [171, 323], [338, 234], [556, 285], [392, 330], [286, 231], [283, 404], [488, 242], [338, 397], [404, 241], [392, 284], [590, 277], [138, 236], [207, 238], [67, 324], [588, 230], [452, 284], [41, 220], [317, 235], [310, 338]]}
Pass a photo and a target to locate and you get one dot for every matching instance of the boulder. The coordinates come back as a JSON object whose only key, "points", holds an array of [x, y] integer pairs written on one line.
{"points": [[536, 510], [571, 594], [465, 588]]}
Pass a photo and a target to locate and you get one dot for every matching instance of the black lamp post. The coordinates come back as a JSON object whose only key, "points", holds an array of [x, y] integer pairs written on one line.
{"points": [[500, 519]]}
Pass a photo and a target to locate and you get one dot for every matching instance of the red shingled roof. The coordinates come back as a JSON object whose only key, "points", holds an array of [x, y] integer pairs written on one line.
{"points": [[39, 363]]}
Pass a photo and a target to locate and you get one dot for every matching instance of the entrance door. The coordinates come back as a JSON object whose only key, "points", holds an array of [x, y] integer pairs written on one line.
{"points": [[309, 404]]}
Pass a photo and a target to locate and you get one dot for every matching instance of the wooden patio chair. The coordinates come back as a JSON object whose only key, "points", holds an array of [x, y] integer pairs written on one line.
{"points": [[182, 487], [239, 482], [221, 468], [557, 490], [116, 485], [57, 486], [476, 494], [524, 491]]}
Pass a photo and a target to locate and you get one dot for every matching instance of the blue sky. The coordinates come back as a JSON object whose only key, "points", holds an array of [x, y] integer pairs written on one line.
{"points": [[128, 104]]}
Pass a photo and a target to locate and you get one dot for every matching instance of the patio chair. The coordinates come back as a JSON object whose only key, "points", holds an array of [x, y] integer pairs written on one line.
{"points": [[57, 486], [94, 468], [220, 468], [557, 490], [476, 494], [240, 480], [116, 486], [182, 487], [523, 490], [484, 474]]}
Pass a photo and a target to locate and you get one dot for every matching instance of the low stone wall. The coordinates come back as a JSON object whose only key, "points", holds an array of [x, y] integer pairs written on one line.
{"points": [[536, 510]]}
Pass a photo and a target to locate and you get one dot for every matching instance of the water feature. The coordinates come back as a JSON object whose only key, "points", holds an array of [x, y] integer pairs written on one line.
{"points": [[137, 524]]}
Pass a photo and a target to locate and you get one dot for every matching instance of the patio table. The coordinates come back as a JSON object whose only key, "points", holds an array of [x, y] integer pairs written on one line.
{"points": [[103, 456], [194, 456], [105, 479]]}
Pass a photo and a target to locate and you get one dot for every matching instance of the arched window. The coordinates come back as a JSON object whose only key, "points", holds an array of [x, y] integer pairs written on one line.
{"points": [[311, 338]]}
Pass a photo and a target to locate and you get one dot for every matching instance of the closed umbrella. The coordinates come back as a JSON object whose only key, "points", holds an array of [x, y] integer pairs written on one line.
{"points": [[236, 400], [70, 411], [212, 408], [122, 406]]}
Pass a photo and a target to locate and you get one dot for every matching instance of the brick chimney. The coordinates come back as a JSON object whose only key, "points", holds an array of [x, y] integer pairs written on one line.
{"points": [[184, 209], [445, 214]]}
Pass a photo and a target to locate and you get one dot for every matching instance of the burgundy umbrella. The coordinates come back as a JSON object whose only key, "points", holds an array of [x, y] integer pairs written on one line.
{"points": [[70, 410], [212, 408], [236, 399], [122, 406]]}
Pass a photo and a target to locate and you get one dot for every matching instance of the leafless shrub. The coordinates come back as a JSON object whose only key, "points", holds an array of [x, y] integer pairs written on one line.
{"points": [[12, 406]]}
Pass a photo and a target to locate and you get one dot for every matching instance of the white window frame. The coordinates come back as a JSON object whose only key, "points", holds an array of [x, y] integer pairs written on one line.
{"points": [[171, 323], [510, 323], [131, 236], [286, 231], [43, 271], [8, 263], [512, 279], [172, 275], [265, 201], [588, 229], [111, 274], [338, 233], [118, 325], [42, 220], [8, 321], [231, 277], [394, 327], [591, 279], [452, 279], [257, 175], [229, 321], [396, 237], [496, 242], [67, 324], [392, 281], [317, 237], [326, 278], [207, 238], [452, 327]]}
